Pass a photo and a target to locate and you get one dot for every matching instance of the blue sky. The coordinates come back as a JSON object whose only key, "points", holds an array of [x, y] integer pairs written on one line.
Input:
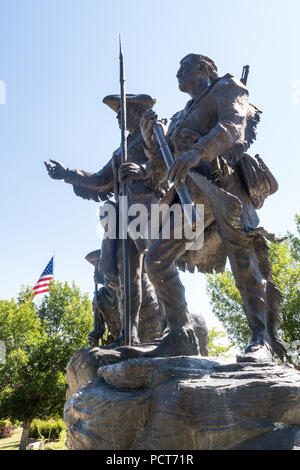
{"points": [[60, 58]]}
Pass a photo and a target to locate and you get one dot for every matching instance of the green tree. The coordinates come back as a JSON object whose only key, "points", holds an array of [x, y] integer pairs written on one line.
{"points": [[39, 343], [216, 345], [295, 240], [227, 304]]}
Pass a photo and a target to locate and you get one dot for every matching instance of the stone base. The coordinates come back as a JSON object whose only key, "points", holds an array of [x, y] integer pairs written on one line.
{"points": [[180, 403]]}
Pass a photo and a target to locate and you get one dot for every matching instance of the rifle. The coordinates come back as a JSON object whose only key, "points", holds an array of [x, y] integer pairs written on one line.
{"points": [[124, 210], [245, 73], [181, 189], [169, 159]]}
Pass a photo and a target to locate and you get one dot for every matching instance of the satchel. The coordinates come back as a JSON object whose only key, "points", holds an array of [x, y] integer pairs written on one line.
{"points": [[258, 179]]}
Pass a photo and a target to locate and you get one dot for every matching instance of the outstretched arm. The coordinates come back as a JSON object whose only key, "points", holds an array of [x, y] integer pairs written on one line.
{"points": [[57, 171], [85, 184]]}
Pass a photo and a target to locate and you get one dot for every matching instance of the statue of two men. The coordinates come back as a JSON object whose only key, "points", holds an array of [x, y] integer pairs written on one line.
{"points": [[209, 139]]}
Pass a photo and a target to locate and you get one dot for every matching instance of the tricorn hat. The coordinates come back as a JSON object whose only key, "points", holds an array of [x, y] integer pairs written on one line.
{"points": [[93, 257], [113, 101]]}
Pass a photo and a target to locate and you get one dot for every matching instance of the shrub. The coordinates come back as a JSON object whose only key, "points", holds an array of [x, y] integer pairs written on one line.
{"points": [[6, 428], [4, 422], [16, 423], [49, 429], [59, 445], [6, 431]]}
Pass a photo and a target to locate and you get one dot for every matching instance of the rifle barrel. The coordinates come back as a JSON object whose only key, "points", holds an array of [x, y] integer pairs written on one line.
{"points": [[181, 189], [245, 74]]}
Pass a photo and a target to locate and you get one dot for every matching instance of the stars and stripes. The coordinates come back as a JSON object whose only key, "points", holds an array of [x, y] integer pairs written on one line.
{"points": [[43, 283]]}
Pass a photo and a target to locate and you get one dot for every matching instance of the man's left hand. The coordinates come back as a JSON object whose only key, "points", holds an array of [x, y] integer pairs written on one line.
{"points": [[182, 165], [130, 171]]}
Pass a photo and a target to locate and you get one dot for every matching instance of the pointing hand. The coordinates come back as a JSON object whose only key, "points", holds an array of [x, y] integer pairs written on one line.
{"points": [[56, 171]]}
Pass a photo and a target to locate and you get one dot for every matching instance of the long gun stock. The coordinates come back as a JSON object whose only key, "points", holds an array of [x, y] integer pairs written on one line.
{"points": [[181, 189]]}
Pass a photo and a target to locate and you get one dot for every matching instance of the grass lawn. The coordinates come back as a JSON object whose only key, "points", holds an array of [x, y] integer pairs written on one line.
{"points": [[12, 443]]}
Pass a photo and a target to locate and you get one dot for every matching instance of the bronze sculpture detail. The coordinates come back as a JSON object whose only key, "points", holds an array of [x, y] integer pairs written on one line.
{"points": [[209, 140], [211, 136], [101, 185]]}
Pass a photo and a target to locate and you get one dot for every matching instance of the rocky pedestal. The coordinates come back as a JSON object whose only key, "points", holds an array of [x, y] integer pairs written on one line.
{"points": [[180, 403]]}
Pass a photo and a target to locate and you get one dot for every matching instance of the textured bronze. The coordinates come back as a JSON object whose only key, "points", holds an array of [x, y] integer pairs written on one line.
{"points": [[211, 136]]}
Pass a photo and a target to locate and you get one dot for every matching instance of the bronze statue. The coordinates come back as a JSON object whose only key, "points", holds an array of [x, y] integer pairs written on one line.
{"points": [[106, 305], [152, 323], [209, 139], [142, 187]]}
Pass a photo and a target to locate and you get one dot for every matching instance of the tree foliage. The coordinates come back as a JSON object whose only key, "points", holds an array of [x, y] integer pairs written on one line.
{"points": [[39, 342], [216, 345], [227, 303]]}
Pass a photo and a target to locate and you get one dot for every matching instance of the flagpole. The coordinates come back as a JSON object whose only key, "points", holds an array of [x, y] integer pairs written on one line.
{"points": [[53, 262]]}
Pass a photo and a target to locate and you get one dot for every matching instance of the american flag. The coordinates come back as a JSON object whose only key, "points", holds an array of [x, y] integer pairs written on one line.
{"points": [[43, 283]]}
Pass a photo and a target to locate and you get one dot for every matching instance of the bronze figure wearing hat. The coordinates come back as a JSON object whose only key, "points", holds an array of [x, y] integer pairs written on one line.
{"points": [[99, 186]]}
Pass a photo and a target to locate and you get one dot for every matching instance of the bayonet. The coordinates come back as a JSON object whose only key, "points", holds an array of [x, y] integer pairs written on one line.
{"points": [[124, 210]]}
